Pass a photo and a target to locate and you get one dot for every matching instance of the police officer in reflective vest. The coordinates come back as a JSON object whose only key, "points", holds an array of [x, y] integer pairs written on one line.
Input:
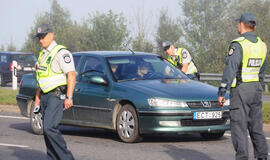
{"points": [[180, 58], [56, 76], [243, 75]]}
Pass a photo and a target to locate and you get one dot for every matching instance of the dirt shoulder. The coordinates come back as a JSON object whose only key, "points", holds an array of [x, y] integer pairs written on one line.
{"points": [[9, 108]]}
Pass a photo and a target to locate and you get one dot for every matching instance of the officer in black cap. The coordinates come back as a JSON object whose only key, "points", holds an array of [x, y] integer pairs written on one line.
{"points": [[56, 78], [243, 75]]}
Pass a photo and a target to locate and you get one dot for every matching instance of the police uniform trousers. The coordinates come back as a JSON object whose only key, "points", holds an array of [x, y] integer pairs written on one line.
{"points": [[52, 109], [246, 115]]}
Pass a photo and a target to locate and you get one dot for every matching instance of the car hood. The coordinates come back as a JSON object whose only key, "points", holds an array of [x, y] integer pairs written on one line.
{"points": [[181, 89]]}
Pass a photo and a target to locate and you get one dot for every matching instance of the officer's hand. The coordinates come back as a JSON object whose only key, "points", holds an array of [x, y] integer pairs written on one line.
{"points": [[68, 103], [37, 102], [221, 101]]}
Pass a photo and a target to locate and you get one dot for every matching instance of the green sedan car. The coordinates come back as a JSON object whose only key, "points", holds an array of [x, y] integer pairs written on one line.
{"points": [[134, 94]]}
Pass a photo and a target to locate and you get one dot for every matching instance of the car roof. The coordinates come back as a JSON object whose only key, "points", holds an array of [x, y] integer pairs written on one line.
{"points": [[13, 53], [111, 53]]}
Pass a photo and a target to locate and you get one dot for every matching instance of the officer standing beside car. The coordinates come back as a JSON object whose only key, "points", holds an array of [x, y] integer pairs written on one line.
{"points": [[56, 76], [180, 58], [243, 75]]}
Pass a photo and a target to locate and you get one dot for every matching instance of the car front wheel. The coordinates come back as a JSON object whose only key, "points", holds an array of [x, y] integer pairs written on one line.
{"points": [[127, 124], [213, 136], [36, 121]]}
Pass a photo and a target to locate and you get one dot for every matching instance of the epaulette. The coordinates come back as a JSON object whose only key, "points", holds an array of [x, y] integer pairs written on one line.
{"points": [[239, 39]]}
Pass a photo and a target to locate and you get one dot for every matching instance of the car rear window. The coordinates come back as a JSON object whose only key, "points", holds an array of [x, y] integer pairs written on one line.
{"points": [[24, 58]]}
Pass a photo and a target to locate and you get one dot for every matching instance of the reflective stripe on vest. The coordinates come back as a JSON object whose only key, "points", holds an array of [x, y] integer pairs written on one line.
{"points": [[254, 55], [191, 66], [48, 79]]}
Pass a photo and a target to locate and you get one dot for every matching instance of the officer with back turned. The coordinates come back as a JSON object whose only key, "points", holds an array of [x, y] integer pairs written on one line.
{"points": [[243, 75]]}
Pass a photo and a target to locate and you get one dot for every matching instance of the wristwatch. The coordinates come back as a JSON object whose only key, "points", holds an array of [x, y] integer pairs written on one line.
{"points": [[68, 97]]}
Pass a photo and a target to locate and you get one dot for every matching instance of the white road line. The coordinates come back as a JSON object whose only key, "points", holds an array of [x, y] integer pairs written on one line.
{"points": [[229, 135], [13, 145], [2, 116]]}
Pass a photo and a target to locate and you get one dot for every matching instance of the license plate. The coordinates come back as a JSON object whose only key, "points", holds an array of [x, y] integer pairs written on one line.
{"points": [[27, 68], [207, 115]]}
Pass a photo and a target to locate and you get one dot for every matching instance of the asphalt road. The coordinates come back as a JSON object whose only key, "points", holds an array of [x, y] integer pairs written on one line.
{"points": [[18, 143]]}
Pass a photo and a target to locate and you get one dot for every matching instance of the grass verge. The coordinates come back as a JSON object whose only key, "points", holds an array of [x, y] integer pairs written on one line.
{"points": [[8, 96], [266, 112]]}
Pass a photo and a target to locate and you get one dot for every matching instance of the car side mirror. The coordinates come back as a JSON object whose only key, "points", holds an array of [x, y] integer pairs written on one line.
{"points": [[98, 80]]}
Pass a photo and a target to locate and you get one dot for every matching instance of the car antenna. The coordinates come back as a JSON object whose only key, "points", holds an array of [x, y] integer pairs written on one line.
{"points": [[133, 53]]}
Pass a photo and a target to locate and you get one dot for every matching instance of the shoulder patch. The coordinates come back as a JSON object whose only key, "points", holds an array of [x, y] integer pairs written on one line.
{"points": [[184, 54], [231, 51], [67, 58]]}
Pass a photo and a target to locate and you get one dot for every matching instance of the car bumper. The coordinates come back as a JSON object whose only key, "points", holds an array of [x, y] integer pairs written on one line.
{"points": [[180, 122]]}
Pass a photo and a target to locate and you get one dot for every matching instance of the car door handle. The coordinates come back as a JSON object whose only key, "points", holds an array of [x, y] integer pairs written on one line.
{"points": [[77, 89]]}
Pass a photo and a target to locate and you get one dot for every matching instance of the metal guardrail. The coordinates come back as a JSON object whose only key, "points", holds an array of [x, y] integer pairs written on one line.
{"points": [[218, 76]]}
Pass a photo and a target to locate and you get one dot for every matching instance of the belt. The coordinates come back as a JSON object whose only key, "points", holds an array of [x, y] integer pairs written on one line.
{"points": [[58, 90]]}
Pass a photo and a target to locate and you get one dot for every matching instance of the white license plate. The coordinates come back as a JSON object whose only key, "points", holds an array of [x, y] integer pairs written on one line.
{"points": [[207, 115], [27, 68]]}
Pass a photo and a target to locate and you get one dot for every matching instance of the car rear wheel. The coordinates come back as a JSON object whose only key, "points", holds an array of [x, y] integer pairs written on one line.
{"points": [[213, 136], [127, 124], [36, 120]]}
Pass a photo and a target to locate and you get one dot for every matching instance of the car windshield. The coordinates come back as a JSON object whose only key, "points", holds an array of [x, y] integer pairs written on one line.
{"points": [[28, 58], [143, 67]]}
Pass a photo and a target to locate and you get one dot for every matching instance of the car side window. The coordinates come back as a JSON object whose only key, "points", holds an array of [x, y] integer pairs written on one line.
{"points": [[3, 59], [91, 66], [76, 60]]}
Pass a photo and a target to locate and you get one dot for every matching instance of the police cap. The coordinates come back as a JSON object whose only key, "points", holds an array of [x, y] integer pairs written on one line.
{"points": [[166, 45], [42, 30], [248, 18]]}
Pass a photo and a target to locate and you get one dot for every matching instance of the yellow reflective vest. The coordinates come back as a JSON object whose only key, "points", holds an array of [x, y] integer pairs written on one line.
{"points": [[46, 77], [253, 57], [178, 60]]}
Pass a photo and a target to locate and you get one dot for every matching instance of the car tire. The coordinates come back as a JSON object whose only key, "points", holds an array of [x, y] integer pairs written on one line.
{"points": [[36, 120], [127, 124], [213, 136]]}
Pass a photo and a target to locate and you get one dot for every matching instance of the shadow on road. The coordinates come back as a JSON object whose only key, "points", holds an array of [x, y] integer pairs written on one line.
{"points": [[151, 138], [26, 154], [22, 126], [185, 154], [108, 134]]}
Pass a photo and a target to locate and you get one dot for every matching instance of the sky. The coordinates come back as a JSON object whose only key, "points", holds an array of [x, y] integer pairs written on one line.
{"points": [[18, 16]]}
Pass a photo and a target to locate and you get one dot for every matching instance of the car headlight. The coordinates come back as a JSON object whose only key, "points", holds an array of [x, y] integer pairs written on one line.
{"points": [[227, 102], [157, 102]]}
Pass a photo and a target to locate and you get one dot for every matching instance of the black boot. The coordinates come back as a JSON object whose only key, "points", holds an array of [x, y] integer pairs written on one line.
{"points": [[262, 158]]}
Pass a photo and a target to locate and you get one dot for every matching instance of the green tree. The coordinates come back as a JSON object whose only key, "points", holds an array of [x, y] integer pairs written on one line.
{"points": [[108, 31], [141, 41], [168, 29], [209, 26], [2, 48], [59, 19], [141, 44], [204, 25], [11, 47]]}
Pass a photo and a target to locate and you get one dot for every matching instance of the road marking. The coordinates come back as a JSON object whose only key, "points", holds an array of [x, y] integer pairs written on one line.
{"points": [[14, 117], [229, 135], [13, 145]]}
